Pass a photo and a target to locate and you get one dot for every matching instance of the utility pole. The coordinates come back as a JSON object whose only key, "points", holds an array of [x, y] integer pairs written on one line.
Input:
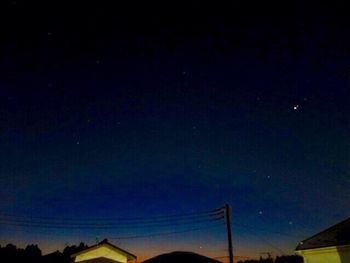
{"points": [[229, 234]]}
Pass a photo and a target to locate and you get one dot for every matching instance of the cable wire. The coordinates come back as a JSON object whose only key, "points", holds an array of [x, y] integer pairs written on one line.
{"points": [[165, 233], [67, 225], [149, 218]]}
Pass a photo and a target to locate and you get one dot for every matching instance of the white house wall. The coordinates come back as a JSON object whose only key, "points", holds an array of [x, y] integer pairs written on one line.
{"points": [[326, 255]]}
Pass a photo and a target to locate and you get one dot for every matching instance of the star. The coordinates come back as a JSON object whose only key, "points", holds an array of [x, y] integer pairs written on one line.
{"points": [[296, 107]]}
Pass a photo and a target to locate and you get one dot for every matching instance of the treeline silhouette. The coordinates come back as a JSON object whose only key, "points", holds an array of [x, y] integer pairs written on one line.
{"points": [[281, 259], [32, 254]]}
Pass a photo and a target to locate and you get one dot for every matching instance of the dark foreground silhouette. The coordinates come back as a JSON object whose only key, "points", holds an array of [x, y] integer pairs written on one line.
{"points": [[10, 253], [32, 254], [189, 257], [183, 257], [281, 259]]}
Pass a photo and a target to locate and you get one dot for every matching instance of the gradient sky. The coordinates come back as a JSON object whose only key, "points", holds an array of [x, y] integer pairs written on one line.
{"points": [[127, 111]]}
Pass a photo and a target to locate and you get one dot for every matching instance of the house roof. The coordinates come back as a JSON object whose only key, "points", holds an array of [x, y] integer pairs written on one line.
{"points": [[337, 235], [106, 243]]}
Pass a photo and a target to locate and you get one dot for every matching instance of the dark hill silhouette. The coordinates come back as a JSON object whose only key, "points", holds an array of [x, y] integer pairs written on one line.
{"points": [[181, 257]]}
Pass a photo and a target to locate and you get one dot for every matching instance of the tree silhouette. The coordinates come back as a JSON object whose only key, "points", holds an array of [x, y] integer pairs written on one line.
{"points": [[289, 259], [10, 253], [281, 259], [69, 250]]}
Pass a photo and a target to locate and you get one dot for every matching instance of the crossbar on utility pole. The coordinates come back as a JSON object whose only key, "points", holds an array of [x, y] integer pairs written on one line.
{"points": [[229, 233]]}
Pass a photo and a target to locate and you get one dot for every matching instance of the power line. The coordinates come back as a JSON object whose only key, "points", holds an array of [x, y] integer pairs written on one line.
{"points": [[134, 222], [165, 233], [212, 212], [63, 225], [116, 226], [128, 225], [116, 222]]}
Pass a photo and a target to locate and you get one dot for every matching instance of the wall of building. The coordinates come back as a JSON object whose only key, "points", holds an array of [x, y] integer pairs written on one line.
{"points": [[102, 251], [326, 255]]}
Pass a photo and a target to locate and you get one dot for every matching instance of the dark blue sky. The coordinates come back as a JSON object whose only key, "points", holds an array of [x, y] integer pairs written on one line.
{"points": [[114, 112]]}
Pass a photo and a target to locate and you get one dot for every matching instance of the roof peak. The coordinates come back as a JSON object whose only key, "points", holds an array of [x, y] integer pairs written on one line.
{"points": [[104, 241]]}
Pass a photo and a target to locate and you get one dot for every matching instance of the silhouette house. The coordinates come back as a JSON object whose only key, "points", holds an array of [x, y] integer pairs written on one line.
{"points": [[103, 252], [329, 246]]}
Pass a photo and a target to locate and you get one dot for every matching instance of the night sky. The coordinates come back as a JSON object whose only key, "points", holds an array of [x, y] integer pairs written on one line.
{"points": [[137, 110]]}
